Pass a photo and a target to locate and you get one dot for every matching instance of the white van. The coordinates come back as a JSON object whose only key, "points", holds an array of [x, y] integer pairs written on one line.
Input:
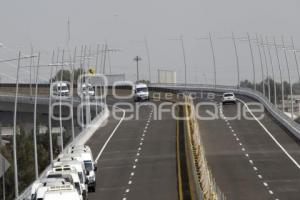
{"points": [[80, 168], [38, 190], [65, 170], [83, 153], [39, 187], [141, 92], [87, 90], [60, 89], [67, 192]]}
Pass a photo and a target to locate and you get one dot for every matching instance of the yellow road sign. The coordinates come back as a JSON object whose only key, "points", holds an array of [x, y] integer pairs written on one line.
{"points": [[92, 71]]}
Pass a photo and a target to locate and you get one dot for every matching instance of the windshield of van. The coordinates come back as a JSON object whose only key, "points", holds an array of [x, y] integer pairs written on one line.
{"points": [[88, 165], [141, 89], [228, 95], [62, 88]]}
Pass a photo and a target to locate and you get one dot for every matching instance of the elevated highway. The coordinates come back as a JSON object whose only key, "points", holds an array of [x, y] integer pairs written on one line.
{"points": [[250, 159]]}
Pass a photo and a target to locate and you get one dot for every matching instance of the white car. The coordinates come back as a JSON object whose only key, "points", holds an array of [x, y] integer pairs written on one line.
{"points": [[228, 97]]}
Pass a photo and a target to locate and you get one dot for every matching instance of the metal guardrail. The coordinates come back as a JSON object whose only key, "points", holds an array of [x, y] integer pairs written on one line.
{"points": [[282, 118]]}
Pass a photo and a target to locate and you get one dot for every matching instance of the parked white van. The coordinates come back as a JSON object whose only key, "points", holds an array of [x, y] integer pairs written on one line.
{"points": [[83, 153], [80, 168], [141, 92], [65, 170], [39, 187], [67, 192]]}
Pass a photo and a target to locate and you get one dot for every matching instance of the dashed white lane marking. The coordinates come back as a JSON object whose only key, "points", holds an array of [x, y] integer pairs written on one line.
{"points": [[137, 155], [272, 137], [247, 155]]}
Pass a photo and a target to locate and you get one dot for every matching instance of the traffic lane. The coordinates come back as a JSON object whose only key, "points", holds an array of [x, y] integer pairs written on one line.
{"points": [[156, 174], [279, 173], [285, 138], [229, 166], [115, 164]]}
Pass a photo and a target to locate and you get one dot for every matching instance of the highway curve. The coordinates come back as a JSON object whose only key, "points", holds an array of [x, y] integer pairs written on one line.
{"points": [[250, 160]]}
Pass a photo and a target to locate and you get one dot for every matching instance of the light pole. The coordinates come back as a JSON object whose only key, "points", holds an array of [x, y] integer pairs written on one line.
{"points": [[34, 121], [252, 59], [15, 123], [148, 58], [50, 111], [213, 57], [72, 93], [295, 56], [273, 73], [280, 72], [261, 65], [248, 39], [266, 64], [137, 59], [236, 57], [289, 75]]}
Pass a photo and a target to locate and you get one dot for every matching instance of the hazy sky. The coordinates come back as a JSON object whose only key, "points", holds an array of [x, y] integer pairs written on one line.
{"points": [[123, 24]]}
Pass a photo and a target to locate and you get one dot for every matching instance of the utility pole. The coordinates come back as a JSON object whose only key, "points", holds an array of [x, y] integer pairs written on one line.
{"points": [[137, 59]]}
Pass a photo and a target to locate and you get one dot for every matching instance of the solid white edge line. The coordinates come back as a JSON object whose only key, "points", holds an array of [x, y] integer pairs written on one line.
{"points": [[112, 134], [273, 138]]}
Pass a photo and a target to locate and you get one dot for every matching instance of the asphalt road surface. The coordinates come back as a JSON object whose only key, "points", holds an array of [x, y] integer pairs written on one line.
{"points": [[139, 159], [250, 160]]}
